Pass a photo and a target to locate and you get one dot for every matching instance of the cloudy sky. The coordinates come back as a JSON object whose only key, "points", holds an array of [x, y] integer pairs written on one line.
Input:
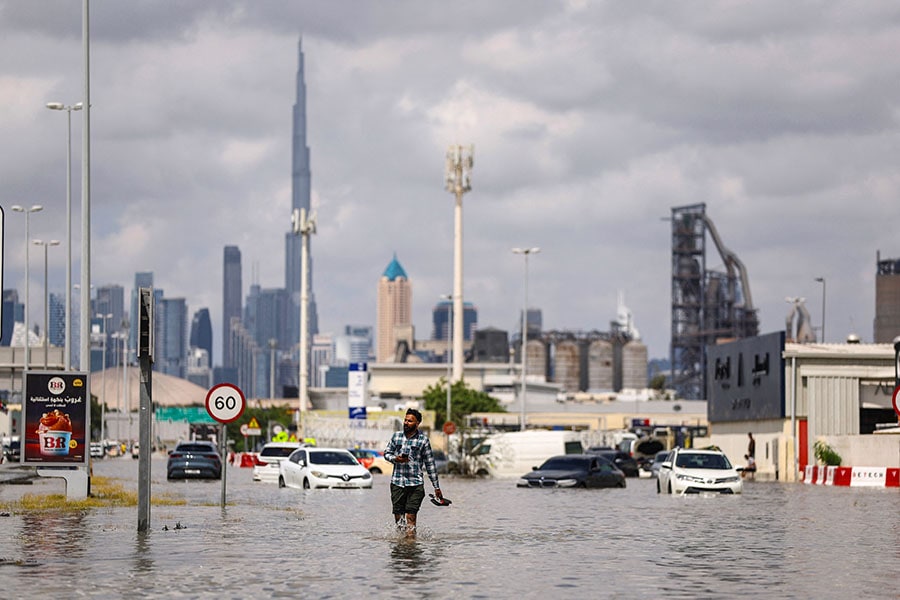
{"points": [[590, 121]]}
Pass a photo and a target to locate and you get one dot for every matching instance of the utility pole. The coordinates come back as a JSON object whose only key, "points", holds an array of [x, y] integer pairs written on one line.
{"points": [[458, 182]]}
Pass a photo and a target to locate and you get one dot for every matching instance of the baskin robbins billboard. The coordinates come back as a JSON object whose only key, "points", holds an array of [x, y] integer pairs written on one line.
{"points": [[55, 413]]}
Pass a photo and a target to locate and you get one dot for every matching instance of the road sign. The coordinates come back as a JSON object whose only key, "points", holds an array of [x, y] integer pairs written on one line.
{"points": [[225, 402], [895, 398], [449, 427], [253, 424], [246, 430]]}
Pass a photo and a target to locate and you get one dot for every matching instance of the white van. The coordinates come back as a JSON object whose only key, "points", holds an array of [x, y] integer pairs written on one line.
{"points": [[512, 454]]}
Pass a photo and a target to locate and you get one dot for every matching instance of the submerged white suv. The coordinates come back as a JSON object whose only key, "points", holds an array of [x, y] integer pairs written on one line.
{"points": [[694, 471]]}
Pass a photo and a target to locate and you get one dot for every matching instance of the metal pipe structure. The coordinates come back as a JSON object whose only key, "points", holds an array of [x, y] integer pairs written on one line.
{"points": [[68, 324], [46, 331], [526, 252], [34, 208], [458, 182]]}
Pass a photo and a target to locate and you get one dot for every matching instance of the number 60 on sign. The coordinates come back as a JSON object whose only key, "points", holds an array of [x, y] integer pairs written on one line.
{"points": [[225, 402]]}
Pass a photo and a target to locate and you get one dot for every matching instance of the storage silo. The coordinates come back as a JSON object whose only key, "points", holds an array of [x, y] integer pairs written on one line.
{"points": [[566, 365], [536, 359], [634, 365], [600, 366]]}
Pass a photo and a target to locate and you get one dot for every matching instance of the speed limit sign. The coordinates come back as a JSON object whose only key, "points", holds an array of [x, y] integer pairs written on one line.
{"points": [[225, 402]]}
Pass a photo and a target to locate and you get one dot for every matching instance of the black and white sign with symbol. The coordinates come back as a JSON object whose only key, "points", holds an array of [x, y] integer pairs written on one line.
{"points": [[225, 402]]}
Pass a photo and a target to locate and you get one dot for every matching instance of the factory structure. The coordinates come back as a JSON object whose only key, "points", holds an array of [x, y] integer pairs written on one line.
{"points": [[708, 307]]}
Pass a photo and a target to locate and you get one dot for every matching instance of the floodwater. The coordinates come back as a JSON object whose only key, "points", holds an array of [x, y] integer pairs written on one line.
{"points": [[495, 541]]}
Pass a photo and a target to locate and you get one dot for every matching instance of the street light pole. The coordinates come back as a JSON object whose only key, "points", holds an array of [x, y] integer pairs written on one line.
{"points": [[105, 318], [68, 324], [822, 281], [27, 211], [46, 246], [458, 182], [526, 252]]}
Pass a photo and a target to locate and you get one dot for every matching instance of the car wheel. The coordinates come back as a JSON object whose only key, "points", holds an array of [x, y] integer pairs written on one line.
{"points": [[280, 481], [306, 484], [670, 487], [482, 473], [375, 471], [658, 490]]}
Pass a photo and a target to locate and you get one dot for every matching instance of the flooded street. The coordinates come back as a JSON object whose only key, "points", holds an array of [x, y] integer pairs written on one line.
{"points": [[495, 541]]}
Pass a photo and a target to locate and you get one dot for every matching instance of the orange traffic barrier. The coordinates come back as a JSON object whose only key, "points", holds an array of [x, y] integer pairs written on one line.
{"points": [[248, 459]]}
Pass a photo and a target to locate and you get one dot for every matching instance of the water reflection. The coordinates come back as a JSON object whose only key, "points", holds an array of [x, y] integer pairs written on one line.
{"points": [[143, 557], [51, 536], [407, 556]]}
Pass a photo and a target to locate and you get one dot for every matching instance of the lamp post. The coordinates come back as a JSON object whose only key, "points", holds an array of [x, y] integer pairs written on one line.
{"points": [[68, 324], [46, 246], [272, 344], [526, 252], [34, 208], [449, 299], [822, 281], [105, 318], [458, 182]]}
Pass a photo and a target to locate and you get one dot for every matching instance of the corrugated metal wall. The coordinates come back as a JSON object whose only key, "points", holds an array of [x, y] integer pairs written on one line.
{"points": [[833, 404]]}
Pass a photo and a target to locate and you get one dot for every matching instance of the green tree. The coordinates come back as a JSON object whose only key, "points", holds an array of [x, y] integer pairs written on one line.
{"points": [[463, 401]]}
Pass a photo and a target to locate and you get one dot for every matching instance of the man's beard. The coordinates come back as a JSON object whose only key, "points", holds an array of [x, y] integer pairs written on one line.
{"points": [[409, 428]]}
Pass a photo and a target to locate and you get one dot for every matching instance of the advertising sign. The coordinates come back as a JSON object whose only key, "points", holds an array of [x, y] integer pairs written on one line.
{"points": [[357, 389], [746, 379], [55, 414]]}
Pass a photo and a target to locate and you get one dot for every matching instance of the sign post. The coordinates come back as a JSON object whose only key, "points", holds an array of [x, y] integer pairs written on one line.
{"points": [[225, 403], [357, 390], [895, 398]]}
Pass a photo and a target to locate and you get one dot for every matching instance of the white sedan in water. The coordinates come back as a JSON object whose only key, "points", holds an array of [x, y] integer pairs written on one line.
{"points": [[690, 471], [310, 468]]}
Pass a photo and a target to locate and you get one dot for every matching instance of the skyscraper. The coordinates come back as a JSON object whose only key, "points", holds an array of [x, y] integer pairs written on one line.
{"points": [[201, 332], [170, 350], [441, 322], [301, 185], [394, 308], [231, 300]]}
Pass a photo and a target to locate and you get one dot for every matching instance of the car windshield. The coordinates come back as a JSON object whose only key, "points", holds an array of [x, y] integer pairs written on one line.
{"points": [[331, 458], [562, 463], [695, 460], [276, 451]]}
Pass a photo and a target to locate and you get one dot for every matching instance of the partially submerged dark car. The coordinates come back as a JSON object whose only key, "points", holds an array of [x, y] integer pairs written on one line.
{"points": [[574, 470], [196, 459], [622, 460]]}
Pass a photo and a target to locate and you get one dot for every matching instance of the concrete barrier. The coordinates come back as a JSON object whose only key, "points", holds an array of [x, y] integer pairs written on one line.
{"points": [[852, 476]]}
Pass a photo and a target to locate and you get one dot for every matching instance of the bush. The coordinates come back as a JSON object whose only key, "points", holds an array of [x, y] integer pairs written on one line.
{"points": [[826, 455]]}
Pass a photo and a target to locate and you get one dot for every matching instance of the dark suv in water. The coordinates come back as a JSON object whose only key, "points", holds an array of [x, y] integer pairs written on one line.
{"points": [[194, 460], [622, 460]]}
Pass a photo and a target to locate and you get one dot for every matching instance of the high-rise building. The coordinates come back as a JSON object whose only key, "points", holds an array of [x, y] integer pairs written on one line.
{"points": [[394, 309], [442, 323], [109, 300], [57, 325], [170, 349], [13, 312], [201, 333], [231, 300], [321, 354], [887, 299], [266, 317], [301, 185]]}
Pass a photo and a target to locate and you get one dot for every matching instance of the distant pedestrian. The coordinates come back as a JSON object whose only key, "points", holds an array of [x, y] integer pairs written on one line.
{"points": [[410, 452], [751, 447], [750, 469]]}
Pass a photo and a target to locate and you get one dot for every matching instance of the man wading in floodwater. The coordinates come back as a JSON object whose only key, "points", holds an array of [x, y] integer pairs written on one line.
{"points": [[410, 451]]}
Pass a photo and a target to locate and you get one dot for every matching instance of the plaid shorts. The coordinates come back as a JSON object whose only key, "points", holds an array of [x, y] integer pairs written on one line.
{"points": [[407, 500]]}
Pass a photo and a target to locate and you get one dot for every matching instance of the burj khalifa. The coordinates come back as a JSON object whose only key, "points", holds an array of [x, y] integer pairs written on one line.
{"points": [[301, 185]]}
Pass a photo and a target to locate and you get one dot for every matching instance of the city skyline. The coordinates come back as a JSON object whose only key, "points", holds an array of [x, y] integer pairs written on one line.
{"points": [[590, 122]]}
